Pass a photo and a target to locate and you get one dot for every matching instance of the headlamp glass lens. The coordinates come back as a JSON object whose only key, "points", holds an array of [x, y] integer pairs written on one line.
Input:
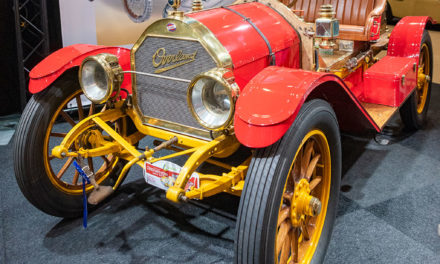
{"points": [[211, 102], [216, 98], [94, 81]]}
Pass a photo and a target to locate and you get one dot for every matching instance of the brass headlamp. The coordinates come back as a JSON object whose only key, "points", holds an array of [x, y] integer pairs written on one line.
{"points": [[100, 77], [211, 98]]}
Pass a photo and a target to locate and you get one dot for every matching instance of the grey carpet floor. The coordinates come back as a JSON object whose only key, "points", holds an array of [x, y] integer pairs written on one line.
{"points": [[7, 128], [389, 212]]}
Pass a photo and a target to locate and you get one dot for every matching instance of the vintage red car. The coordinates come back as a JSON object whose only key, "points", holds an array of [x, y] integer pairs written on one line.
{"points": [[271, 84]]}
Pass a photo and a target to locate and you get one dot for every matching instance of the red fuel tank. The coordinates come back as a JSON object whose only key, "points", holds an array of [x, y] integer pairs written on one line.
{"points": [[249, 31]]}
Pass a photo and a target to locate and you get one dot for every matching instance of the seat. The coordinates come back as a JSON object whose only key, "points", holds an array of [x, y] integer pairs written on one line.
{"points": [[356, 17]]}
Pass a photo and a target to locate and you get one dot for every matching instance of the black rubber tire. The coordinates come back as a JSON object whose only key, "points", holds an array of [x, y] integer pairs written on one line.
{"points": [[411, 119], [29, 166], [260, 200]]}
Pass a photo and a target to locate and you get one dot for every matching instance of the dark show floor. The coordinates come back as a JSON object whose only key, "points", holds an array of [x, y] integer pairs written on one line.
{"points": [[389, 213]]}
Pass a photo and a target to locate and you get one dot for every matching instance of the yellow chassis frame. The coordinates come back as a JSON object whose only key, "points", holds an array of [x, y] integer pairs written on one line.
{"points": [[199, 150]]}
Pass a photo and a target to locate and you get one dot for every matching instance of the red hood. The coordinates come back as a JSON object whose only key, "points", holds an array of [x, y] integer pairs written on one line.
{"points": [[247, 48]]}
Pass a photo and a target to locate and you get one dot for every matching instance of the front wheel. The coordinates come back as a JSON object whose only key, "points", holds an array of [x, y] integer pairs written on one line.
{"points": [[50, 184], [289, 201]]}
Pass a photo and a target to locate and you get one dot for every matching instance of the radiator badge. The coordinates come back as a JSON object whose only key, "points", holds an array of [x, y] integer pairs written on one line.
{"points": [[171, 27], [161, 58]]}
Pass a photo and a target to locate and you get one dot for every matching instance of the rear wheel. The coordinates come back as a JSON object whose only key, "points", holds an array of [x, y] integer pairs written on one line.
{"points": [[288, 206], [414, 111], [50, 184]]}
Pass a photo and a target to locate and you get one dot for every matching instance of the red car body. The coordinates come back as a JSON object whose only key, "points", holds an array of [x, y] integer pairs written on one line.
{"points": [[271, 95], [209, 82]]}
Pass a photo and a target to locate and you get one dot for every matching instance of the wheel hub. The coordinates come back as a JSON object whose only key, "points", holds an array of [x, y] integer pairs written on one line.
{"points": [[422, 78], [303, 204], [92, 139]]}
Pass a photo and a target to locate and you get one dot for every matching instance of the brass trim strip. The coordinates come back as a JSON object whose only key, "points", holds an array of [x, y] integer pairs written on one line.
{"points": [[159, 76]]}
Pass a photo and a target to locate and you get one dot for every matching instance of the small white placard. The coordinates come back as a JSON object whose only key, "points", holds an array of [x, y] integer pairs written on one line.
{"points": [[163, 174]]}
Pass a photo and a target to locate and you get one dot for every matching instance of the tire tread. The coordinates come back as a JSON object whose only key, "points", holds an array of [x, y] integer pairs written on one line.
{"points": [[259, 192]]}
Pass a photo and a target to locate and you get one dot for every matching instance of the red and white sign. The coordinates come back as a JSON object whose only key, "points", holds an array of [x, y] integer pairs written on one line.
{"points": [[171, 27], [163, 174]]}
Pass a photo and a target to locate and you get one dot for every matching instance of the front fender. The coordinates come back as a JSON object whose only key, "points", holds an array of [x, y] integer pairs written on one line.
{"points": [[270, 102], [53, 66], [406, 36]]}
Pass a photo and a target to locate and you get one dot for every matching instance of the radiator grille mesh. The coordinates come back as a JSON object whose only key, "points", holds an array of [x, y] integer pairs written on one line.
{"points": [[166, 99]]}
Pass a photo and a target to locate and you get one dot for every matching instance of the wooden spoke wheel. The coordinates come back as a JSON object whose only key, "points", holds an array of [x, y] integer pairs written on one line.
{"points": [[289, 201], [305, 198], [414, 111], [423, 78], [50, 184], [61, 172]]}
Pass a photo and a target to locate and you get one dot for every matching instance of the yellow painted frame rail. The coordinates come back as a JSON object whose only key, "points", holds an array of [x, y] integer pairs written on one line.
{"points": [[199, 151]]}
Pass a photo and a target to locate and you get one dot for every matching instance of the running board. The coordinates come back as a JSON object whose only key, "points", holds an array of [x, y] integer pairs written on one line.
{"points": [[380, 114]]}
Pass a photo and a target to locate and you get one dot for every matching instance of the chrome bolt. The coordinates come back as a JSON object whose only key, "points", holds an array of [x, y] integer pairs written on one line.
{"points": [[316, 205]]}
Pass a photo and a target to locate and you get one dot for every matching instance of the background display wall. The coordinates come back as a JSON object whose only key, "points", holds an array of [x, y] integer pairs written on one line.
{"points": [[107, 22], [115, 22]]}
